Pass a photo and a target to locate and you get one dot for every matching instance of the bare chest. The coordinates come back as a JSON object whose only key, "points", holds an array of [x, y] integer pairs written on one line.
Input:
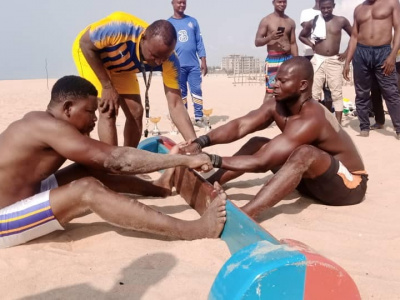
{"points": [[372, 13]]}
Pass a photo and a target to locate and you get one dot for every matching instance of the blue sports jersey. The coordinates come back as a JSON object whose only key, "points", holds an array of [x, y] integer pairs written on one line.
{"points": [[189, 46]]}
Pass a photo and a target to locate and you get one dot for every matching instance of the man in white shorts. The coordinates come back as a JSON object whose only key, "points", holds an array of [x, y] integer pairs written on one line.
{"points": [[37, 197]]}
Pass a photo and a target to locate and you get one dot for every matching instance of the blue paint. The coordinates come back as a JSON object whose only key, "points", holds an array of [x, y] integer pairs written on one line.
{"points": [[154, 145], [262, 270], [240, 230], [260, 267]]}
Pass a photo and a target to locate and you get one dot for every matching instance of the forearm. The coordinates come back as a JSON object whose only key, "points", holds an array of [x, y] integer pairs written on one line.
{"points": [[306, 41], [225, 134], [244, 163], [351, 49], [128, 160], [396, 44], [181, 119]]}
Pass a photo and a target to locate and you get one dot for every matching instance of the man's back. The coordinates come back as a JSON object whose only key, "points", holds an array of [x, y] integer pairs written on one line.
{"points": [[375, 22], [26, 159]]}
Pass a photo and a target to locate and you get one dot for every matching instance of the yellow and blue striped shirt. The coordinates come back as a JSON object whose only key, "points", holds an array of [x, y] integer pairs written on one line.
{"points": [[117, 38]]}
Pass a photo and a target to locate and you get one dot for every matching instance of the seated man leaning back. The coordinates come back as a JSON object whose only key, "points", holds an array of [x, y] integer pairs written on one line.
{"points": [[37, 197], [313, 153]]}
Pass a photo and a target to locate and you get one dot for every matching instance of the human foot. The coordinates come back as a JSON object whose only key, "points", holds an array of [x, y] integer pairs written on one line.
{"points": [[213, 220]]}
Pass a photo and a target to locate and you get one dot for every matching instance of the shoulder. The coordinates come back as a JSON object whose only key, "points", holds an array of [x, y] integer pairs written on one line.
{"points": [[267, 18], [291, 21]]}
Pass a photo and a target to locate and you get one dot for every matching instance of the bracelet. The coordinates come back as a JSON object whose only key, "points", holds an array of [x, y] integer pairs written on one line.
{"points": [[216, 160], [203, 141]]}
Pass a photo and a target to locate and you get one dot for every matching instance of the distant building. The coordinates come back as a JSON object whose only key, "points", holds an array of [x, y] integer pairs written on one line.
{"points": [[241, 64]]}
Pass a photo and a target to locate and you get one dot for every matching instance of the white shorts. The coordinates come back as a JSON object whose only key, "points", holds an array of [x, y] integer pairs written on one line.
{"points": [[30, 218]]}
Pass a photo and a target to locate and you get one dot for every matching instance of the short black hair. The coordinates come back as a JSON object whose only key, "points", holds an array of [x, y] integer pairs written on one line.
{"points": [[303, 67], [72, 86], [165, 30]]}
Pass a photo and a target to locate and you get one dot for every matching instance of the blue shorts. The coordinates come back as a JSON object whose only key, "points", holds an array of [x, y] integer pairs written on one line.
{"points": [[30, 218]]}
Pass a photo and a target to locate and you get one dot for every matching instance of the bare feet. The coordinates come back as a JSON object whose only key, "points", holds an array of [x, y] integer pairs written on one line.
{"points": [[213, 220], [166, 180]]}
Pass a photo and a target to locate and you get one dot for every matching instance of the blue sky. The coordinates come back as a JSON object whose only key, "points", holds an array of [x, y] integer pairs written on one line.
{"points": [[37, 35]]}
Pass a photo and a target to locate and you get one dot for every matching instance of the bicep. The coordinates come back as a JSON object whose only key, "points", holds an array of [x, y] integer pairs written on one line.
{"points": [[262, 29], [71, 144]]}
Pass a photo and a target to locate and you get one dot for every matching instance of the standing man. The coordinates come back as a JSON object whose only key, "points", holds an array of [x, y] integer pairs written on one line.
{"points": [[373, 49], [277, 31], [306, 16], [190, 48], [327, 61], [110, 52]]}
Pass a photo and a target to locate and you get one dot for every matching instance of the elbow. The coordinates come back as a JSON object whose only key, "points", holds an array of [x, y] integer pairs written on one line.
{"points": [[261, 169]]}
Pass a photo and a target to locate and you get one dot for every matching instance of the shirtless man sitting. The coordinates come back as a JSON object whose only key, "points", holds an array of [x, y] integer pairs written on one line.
{"points": [[327, 61], [277, 31], [37, 197], [313, 153]]}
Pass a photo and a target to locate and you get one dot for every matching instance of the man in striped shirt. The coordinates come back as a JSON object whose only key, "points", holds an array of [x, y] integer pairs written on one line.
{"points": [[110, 52]]}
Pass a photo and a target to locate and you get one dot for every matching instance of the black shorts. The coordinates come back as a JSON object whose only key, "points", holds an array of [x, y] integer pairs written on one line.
{"points": [[332, 189]]}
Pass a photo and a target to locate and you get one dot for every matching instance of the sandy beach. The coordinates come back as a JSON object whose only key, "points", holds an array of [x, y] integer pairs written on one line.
{"points": [[94, 260]]}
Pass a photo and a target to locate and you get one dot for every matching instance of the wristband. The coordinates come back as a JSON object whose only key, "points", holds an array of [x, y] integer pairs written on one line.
{"points": [[203, 141], [216, 160]]}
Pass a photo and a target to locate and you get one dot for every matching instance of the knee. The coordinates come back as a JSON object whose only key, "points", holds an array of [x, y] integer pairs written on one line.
{"points": [[88, 188], [135, 115], [303, 154]]}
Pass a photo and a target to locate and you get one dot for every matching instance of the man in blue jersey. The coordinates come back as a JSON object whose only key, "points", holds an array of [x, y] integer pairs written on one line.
{"points": [[189, 48], [110, 52]]}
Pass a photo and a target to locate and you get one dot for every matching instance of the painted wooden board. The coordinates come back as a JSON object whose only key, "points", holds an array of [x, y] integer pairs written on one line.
{"points": [[261, 267]]}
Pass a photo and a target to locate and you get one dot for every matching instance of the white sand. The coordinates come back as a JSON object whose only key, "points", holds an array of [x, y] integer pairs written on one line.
{"points": [[94, 260]]}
